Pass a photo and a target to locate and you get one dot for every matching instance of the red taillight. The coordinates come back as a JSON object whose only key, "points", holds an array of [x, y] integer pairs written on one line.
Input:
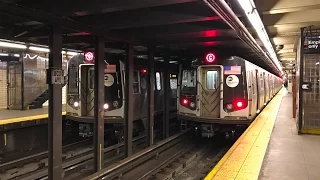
{"points": [[185, 101], [239, 104], [143, 71]]}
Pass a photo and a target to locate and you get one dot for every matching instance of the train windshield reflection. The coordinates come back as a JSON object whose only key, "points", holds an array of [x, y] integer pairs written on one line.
{"points": [[189, 82]]}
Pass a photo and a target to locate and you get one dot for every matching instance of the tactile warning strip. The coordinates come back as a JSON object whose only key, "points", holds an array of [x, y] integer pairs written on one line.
{"points": [[244, 159]]}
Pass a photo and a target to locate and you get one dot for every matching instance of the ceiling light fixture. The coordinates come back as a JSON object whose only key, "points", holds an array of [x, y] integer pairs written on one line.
{"points": [[252, 14], [12, 45]]}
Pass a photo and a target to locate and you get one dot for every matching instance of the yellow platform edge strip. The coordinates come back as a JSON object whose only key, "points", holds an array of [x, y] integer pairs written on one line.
{"points": [[313, 131], [24, 119], [214, 171]]}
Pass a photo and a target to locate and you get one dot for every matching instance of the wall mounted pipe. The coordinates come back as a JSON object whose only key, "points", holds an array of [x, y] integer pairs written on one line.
{"points": [[221, 8]]}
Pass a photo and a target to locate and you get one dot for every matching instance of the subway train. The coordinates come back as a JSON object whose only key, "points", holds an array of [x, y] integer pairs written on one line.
{"points": [[223, 93], [80, 94]]}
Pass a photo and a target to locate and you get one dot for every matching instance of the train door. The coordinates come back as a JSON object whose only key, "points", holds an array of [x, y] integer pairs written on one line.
{"points": [[86, 89], [260, 87], [253, 98], [209, 91]]}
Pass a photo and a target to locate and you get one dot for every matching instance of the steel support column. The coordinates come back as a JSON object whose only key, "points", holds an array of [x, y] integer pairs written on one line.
{"points": [[166, 100], [150, 94], [301, 72], [55, 108], [128, 119], [99, 66]]}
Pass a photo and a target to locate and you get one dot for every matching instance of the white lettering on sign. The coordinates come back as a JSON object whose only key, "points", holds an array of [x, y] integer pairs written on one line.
{"points": [[305, 86], [232, 81], [313, 44], [108, 80]]}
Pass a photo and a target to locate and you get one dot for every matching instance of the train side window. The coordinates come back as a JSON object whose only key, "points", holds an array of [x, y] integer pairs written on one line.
{"points": [[158, 81], [212, 80], [136, 82], [91, 78]]}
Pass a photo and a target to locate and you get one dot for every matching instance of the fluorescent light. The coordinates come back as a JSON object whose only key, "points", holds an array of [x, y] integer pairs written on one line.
{"points": [[69, 53], [12, 45], [17, 55], [39, 49], [4, 54], [252, 14]]}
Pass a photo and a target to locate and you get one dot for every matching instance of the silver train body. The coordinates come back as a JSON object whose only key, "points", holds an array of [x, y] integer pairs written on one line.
{"points": [[223, 95], [80, 95]]}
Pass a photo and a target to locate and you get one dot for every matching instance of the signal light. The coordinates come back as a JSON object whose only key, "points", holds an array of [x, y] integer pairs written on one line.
{"points": [[239, 104], [185, 101], [210, 57], [143, 70]]}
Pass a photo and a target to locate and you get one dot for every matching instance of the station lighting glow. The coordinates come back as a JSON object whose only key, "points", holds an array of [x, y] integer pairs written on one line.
{"points": [[69, 53], [41, 49], [33, 48], [4, 54], [252, 14], [12, 45]]}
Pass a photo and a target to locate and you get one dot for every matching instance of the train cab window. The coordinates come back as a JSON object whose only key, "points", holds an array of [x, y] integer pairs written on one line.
{"points": [[136, 82], [212, 80], [158, 81], [189, 82], [73, 80]]}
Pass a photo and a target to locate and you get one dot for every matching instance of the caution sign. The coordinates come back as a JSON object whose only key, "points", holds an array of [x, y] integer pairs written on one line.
{"points": [[108, 80], [232, 81]]}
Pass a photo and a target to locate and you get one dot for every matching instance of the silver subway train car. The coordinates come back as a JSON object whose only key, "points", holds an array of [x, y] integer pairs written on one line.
{"points": [[223, 93], [80, 95]]}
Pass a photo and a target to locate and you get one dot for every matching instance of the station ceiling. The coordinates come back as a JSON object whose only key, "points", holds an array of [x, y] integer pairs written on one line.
{"points": [[176, 26], [283, 19]]}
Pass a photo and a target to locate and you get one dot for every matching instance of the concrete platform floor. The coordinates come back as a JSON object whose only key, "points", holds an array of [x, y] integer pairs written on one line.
{"points": [[290, 156]]}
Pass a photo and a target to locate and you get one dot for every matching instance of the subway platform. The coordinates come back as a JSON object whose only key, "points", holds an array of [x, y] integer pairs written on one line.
{"points": [[271, 149], [12, 119]]}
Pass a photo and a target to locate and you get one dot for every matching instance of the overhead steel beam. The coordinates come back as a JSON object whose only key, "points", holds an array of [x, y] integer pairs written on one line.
{"points": [[215, 40], [293, 19], [221, 8], [140, 19], [285, 6], [82, 7], [44, 17]]}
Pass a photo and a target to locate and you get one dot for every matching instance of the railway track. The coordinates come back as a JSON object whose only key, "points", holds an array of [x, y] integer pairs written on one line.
{"points": [[35, 166], [168, 159], [141, 162]]}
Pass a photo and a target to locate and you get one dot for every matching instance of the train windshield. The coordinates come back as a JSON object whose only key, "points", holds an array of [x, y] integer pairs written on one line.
{"points": [[189, 82]]}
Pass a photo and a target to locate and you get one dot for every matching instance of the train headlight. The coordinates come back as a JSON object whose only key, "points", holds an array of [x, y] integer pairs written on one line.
{"points": [[229, 106], [76, 104], [192, 104], [106, 106]]}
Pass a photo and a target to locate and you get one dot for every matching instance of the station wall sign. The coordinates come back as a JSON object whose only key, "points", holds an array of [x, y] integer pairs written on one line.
{"points": [[311, 45]]}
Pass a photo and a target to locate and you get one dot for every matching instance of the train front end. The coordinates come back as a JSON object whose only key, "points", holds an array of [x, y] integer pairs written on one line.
{"points": [[213, 95], [80, 92]]}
